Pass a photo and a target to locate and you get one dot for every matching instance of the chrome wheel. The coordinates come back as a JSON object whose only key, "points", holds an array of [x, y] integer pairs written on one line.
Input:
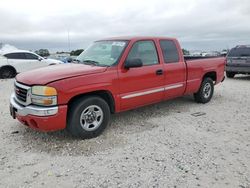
{"points": [[91, 118], [207, 90]]}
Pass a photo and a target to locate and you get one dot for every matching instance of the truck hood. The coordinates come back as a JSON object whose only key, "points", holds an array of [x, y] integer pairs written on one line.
{"points": [[52, 73]]}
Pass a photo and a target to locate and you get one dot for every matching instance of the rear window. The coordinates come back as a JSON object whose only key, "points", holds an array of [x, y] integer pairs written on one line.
{"points": [[169, 51], [15, 56], [239, 52]]}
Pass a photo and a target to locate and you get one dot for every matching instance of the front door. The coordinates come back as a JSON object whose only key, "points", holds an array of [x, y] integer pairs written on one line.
{"points": [[34, 61], [142, 85]]}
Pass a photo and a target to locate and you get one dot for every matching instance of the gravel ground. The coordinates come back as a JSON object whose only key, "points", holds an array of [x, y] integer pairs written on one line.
{"points": [[161, 145]]}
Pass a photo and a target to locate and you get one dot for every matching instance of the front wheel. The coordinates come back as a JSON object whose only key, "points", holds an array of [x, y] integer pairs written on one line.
{"points": [[205, 92], [88, 117]]}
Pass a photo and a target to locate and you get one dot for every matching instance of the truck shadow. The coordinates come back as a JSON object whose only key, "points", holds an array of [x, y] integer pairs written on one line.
{"points": [[116, 134], [242, 77]]}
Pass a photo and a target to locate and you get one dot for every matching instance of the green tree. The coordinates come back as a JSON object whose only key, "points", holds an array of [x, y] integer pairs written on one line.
{"points": [[76, 52], [185, 52], [43, 52]]}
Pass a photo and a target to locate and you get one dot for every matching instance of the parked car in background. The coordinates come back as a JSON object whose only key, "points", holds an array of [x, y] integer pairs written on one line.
{"points": [[210, 54], [63, 58], [18, 61], [224, 53], [238, 61], [111, 76]]}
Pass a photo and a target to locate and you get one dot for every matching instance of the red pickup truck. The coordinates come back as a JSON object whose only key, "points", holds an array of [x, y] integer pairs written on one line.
{"points": [[110, 76]]}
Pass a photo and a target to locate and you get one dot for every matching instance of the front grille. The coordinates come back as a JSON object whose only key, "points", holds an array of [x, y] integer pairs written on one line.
{"points": [[21, 93]]}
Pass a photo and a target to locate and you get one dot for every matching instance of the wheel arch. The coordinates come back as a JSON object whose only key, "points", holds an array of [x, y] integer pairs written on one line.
{"points": [[211, 74], [10, 67], [104, 94]]}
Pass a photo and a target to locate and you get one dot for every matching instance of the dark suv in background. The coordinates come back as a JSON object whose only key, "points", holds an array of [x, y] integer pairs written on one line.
{"points": [[238, 61]]}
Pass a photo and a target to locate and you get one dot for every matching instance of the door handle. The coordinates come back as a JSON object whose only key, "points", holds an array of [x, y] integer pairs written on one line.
{"points": [[159, 72]]}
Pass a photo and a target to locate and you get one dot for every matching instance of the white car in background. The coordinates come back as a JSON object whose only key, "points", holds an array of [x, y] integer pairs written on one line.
{"points": [[18, 61]]}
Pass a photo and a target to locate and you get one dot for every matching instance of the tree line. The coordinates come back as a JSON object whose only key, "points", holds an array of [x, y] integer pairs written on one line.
{"points": [[46, 53]]}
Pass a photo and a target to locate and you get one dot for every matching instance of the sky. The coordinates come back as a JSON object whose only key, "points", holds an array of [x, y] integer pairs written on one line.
{"points": [[68, 25]]}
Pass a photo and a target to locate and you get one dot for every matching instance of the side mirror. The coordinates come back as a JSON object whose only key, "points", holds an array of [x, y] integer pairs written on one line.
{"points": [[40, 59], [133, 63]]}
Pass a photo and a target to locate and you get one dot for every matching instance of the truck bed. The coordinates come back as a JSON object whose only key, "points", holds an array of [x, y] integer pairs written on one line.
{"points": [[197, 67], [199, 57]]}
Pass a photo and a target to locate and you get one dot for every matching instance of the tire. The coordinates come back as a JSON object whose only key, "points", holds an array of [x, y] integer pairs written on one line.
{"points": [[88, 117], [230, 74], [7, 72], [205, 92]]}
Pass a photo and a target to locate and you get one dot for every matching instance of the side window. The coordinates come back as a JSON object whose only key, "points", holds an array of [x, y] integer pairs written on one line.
{"points": [[144, 50], [169, 51], [31, 56], [15, 56], [8, 56]]}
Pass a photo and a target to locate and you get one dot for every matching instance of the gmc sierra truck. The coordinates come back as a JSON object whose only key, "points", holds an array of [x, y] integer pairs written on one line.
{"points": [[110, 76]]}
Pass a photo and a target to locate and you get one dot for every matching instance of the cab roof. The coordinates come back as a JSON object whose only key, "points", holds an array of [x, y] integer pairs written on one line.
{"points": [[137, 38]]}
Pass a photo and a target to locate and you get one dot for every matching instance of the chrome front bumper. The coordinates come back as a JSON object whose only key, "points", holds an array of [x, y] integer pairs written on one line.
{"points": [[31, 109]]}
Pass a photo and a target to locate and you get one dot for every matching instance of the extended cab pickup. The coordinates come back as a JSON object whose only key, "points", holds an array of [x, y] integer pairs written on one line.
{"points": [[110, 76]]}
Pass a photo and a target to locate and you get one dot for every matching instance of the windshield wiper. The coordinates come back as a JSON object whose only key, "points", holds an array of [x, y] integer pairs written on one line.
{"points": [[91, 62]]}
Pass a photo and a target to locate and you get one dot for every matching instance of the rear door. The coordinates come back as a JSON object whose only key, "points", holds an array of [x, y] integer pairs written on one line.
{"points": [[175, 69], [18, 61], [142, 85]]}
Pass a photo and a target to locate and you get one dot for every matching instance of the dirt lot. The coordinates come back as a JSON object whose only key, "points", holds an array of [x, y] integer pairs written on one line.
{"points": [[162, 145]]}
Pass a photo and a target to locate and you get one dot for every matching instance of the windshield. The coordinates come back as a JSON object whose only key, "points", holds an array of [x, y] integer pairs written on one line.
{"points": [[102, 53], [239, 52]]}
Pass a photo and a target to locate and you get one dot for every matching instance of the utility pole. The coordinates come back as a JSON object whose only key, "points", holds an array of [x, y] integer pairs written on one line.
{"points": [[68, 41]]}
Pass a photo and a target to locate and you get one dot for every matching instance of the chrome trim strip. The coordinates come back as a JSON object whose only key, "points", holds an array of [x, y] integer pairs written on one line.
{"points": [[21, 85], [32, 109], [173, 86], [153, 91], [193, 80], [142, 93]]}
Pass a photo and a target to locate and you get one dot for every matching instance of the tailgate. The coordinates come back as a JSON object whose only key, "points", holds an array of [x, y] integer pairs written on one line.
{"points": [[239, 61]]}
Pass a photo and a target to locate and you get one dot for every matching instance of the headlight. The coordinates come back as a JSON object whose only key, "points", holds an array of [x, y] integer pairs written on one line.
{"points": [[43, 90], [43, 95]]}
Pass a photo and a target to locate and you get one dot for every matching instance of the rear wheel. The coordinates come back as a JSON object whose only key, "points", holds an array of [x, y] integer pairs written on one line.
{"points": [[88, 117], [230, 74], [7, 72], [205, 92]]}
